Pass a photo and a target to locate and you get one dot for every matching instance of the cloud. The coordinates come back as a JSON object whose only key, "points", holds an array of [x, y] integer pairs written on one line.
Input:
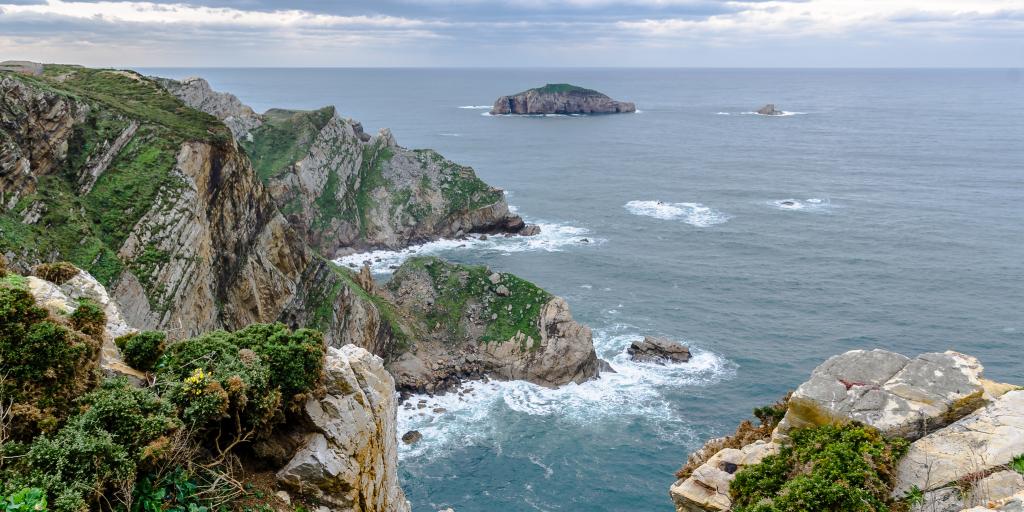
{"points": [[513, 32]]}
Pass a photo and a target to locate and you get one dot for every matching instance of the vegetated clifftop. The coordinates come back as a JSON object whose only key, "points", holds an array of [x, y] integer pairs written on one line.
{"points": [[871, 431], [345, 189], [560, 99]]}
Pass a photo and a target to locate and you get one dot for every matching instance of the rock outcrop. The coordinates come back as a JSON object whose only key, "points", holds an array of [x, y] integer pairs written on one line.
{"points": [[344, 189], [769, 110], [897, 395], [22, 66], [560, 99], [966, 430], [477, 323], [655, 349], [348, 459]]}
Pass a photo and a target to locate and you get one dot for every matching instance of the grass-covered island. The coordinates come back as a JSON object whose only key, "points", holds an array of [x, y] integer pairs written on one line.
{"points": [[566, 99]]}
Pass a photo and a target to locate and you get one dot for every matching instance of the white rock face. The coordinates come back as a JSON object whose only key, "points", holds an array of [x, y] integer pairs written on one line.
{"points": [[707, 489], [897, 395], [197, 93], [986, 439], [349, 462]]}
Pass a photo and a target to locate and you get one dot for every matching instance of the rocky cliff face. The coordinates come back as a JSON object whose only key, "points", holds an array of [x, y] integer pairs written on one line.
{"points": [[560, 99], [345, 189], [197, 93], [472, 323], [965, 430]]}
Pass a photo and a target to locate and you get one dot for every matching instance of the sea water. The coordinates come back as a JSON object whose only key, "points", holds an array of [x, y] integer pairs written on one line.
{"points": [[886, 210]]}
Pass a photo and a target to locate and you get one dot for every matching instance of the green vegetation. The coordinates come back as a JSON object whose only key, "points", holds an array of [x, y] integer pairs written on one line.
{"points": [[142, 350], [89, 318], [284, 138], [460, 288], [848, 468], [29, 499], [56, 273], [561, 88], [1018, 464]]}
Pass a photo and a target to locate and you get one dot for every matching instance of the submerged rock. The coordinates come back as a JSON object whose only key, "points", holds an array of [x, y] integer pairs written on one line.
{"points": [[560, 99], [412, 437], [769, 110], [654, 349]]}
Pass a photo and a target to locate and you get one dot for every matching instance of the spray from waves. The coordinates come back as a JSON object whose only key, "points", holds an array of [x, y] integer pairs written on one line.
{"points": [[476, 107], [467, 417], [694, 214], [785, 113], [813, 204], [450, 134], [552, 238]]}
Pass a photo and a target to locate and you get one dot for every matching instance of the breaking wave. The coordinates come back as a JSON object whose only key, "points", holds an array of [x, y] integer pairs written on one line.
{"points": [[694, 214]]}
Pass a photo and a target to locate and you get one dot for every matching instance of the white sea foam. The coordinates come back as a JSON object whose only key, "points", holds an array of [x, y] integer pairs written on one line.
{"points": [[813, 204], [476, 107], [785, 113], [694, 214], [467, 418], [553, 237], [448, 134]]}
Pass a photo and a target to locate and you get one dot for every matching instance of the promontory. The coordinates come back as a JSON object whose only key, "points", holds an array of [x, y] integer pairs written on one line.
{"points": [[560, 99]]}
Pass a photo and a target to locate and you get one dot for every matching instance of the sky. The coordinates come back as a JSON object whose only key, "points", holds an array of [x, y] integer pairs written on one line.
{"points": [[516, 33]]}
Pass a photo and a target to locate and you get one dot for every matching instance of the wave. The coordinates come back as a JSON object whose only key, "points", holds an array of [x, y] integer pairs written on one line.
{"points": [[476, 107], [553, 237], [785, 113], [809, 205], [468, 416], [448, 134], [694, 214]]}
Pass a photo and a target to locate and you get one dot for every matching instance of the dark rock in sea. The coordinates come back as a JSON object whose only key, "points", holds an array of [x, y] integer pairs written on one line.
{"points": [[788, 203], [530, 230], [560, 99], [769, 110], [653, 349], [605, 366], [412, 436]]}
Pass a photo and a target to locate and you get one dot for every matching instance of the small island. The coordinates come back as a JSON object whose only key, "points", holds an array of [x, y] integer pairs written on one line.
{"points": [[560, 99]]}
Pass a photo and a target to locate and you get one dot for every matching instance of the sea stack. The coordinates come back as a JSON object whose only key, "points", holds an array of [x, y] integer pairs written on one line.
{"points": [[769, 110], [560, 99]]}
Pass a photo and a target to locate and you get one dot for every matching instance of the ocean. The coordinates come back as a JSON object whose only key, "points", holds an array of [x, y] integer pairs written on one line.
{"points": [[886, 210]]}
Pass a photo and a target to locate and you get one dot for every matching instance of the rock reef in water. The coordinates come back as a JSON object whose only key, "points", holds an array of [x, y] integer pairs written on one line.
{"points": [[560, 99], [655, 349], [769, 110]]}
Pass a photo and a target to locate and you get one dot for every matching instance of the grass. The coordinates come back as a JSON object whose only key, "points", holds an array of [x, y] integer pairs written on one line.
{"points": [[460, 286], [561, 89], [14, 281], [284, 138]]}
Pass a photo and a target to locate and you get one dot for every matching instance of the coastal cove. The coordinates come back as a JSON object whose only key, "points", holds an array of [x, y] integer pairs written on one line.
{"points": [[767, 244]]}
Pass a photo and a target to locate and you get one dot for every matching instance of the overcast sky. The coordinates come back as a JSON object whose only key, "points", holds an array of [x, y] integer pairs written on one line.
{"points": [[742, 33]]}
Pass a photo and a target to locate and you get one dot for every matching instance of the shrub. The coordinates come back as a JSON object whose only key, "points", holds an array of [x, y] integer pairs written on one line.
{"points": [[847, 468], [45, 364], [56, 273], [1018, 464], [3, 266], [89, 318], [233, 383], [177, 491], [141, 350], [98, 452], [29, 499]]}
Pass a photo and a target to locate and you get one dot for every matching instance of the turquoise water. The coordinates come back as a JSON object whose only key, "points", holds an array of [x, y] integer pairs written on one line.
{"points": [[906, 232]]}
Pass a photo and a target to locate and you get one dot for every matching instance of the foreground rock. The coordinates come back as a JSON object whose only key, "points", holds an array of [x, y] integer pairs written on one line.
{"points": [[708, 487], [349, 460], [343, 188], [769, 110], [475, 323], [655, 349], [897, 395], [988, 438], [560, 99]]}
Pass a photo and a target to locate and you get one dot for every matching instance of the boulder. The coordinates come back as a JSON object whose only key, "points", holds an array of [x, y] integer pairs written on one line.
{"points": [[707, 488], [530, 230], [769, 110], [986, 439], [654, 349], [412, 437], [349, 457], [897, 395]]}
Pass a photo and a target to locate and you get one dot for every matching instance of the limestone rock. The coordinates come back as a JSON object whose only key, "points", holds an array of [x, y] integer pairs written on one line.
{"points": [[349, 461], [655, 349], [197, 93], [707, 489], [895, 394], [559, 99], [985, 439], [946, 499]]}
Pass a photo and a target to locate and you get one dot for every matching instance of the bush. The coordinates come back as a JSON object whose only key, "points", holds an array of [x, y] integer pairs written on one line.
{"points": [[45, 364], [847, 468], [235, 382], [176, 491], [1018, 464], [141, 350], [89, 318], [3, 266], [56, 273], [98, 452]]}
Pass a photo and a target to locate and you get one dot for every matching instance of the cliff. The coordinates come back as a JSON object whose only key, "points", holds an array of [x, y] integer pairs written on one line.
{"points": [[560, 99], [871, 430], [344, 189]]}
